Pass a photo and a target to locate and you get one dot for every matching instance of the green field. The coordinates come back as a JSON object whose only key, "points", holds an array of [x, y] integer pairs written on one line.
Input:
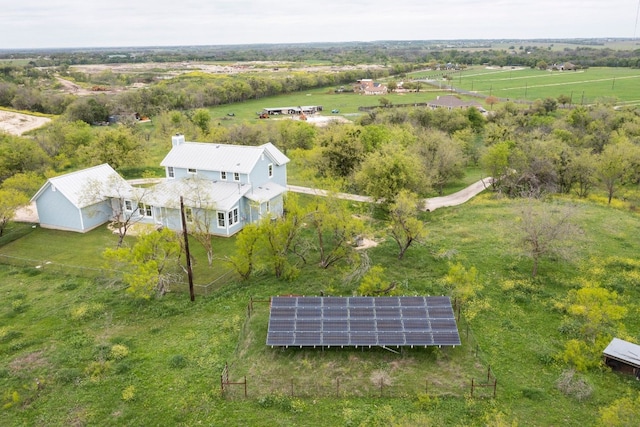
{"points": [[517, 83], [62, 360]]}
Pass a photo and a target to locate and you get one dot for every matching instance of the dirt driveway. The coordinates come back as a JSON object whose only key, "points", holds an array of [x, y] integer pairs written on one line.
{"points": [[17, 123]]}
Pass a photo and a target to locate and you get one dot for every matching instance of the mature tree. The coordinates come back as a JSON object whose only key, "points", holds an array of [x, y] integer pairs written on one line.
{"points": [[443, 159], [281, 237], [495, 161], [583, 171], [341, 149], [89, 110], [10, 201], [614, 165], [27, 183], [118, 147], [202, 118], [405, 227], [62, 141], [247, 246], [544, 229], [335, 228], [20, 155], [295, 134], [151, 265], [386, 172]]}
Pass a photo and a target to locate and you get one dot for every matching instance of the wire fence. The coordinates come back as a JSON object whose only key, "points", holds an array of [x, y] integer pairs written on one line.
{"points": [[104, 274], [470, 375]]}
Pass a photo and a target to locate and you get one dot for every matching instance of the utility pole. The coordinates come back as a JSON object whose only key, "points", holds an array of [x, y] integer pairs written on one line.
{"points": [[186, 249]]}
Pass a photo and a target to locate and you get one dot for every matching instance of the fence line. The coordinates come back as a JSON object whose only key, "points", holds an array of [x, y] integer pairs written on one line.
{"points": [[93, 272]]}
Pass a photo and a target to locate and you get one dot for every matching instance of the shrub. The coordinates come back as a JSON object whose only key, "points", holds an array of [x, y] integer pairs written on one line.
{"points": [[118, 352], [129, 393], [177, 361]]}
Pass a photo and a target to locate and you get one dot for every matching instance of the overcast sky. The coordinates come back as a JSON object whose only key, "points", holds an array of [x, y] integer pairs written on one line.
{"points": [[111, 23]]}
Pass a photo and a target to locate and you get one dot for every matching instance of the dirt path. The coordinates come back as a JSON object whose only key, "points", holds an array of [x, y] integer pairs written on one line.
{"points": [[18, 123]]}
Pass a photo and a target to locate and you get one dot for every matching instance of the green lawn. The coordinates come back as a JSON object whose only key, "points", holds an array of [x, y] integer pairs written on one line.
{"points": [[62, 360], [584, 86]]}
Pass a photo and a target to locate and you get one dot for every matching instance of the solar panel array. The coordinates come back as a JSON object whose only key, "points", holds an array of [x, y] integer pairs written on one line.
{"points": [[362, 321]]}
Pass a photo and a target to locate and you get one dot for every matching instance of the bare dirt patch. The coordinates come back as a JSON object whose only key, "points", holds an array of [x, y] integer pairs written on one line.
{"points": [[18, 123]]}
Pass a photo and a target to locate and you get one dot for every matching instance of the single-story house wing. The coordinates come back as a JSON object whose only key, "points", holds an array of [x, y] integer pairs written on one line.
{"points": [[79, 201]]}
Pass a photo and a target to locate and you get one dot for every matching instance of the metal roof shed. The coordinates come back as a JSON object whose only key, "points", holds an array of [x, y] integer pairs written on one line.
{"points": [[623, 356]]}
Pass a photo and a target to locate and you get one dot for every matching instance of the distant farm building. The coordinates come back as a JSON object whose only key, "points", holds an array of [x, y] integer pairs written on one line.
{"points": [[451, 102], [293, 111], [369, 87], [623, 356]]}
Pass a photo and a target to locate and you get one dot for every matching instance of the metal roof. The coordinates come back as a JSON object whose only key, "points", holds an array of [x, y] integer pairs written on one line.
{"points": [[197, 193], [265, 192], [88, 186], [624, 351], [221, 157]]}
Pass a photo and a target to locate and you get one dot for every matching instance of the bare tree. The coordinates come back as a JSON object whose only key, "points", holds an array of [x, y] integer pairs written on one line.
{"points": [[127, 203], [200, 212], [545, 229]]}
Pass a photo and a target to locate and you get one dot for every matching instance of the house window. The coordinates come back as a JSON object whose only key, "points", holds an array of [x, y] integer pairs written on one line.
{"points": [[233, 216], [236, 176], [268, 207], [270, 170], [170, 172], [221, 222], [223, 176], [192, 171], [128, 205], [145, 210], [188, 213]]}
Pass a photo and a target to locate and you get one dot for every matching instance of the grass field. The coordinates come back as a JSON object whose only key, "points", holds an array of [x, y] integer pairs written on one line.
{"points": [[80, 352], [518, 83]]}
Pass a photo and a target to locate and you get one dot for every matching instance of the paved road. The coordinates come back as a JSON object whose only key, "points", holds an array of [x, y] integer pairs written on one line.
{"points": [[429, 204]]}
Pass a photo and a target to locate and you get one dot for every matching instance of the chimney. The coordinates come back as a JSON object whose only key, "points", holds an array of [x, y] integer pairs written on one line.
{"points": [[177, 139]]}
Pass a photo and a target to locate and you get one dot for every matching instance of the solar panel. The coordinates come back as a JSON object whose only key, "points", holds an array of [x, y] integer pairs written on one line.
{"points": [[362, 321]]}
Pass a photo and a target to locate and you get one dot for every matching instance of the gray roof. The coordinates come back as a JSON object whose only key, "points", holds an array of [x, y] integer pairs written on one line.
{"points": [[451, 101], [88, 186], [221, 157], [265, 192], [197, 193], [624, 351]]}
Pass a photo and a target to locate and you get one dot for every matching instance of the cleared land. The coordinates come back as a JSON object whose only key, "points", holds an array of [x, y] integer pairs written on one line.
{"points": [[18, 123]]}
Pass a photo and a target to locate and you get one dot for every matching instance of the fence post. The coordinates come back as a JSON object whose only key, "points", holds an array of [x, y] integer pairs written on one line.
{"points": [[245, 386], [495, 386], [471, 387]]}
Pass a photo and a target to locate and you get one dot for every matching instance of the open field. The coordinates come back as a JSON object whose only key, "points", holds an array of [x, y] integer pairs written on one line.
{"points": [[583, 86], [62, 360]]}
